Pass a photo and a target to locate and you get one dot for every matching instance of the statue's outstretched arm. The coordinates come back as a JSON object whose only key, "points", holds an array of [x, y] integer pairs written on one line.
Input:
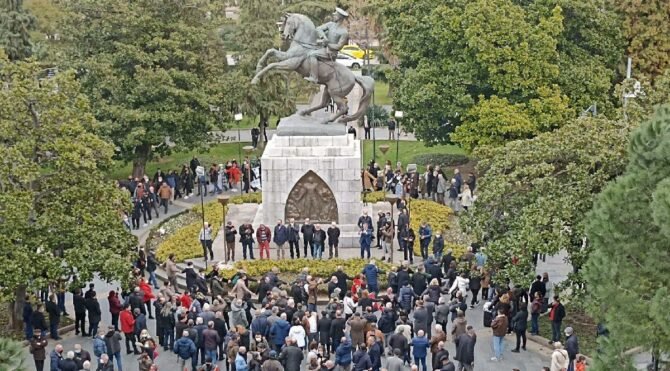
{"points": [[341, 42], [321, 31]]}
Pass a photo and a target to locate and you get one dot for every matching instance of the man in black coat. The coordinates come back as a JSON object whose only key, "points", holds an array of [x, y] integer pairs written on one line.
{"points": [[465, 349], [136, 301], [294, 238], [342, 281], [419, 282], [307, 231], [323, 327], [538, 286], [79, 313], [54, 316], [572, 346], [399, 341], [333, 240], [291, 356], [337, 326], [191, 276]]}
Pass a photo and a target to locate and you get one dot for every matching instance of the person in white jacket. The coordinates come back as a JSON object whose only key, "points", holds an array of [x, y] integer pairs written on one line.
{"points": [[297, 332], [559, 358], [462, 283], [466, 198], [349, 305]]}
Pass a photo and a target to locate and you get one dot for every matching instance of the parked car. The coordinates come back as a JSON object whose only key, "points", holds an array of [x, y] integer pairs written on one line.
{"points": [[356, 52], [349, 61]]}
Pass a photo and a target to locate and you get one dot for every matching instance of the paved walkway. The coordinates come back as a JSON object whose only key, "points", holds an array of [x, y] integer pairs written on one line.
{"points": [[532, 360]]}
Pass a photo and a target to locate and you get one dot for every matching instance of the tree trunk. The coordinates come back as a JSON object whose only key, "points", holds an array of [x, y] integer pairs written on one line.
{"points": [[16, 308], [142, 153]]}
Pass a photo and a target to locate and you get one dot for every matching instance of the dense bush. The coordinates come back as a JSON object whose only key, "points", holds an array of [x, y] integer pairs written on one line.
{"points": [[436, 215], [374, 197], [184, 243], [247, 198], [442, 159], [379, 72], [318, 268]]}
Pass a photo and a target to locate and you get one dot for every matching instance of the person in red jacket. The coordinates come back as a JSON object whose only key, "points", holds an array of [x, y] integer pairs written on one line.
{"points": [[128, 328], [186, 300], [148, 295], [264, 236], [114, 308]]}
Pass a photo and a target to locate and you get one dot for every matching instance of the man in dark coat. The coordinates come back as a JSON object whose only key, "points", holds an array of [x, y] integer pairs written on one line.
{"points": [[323, 327], [333, 240], [54, 316], [337, 329], [537, 286], [342, 280], [421, 320], [307, 231], [291, 356], [79, 313], [465, 349], [572, 346]]}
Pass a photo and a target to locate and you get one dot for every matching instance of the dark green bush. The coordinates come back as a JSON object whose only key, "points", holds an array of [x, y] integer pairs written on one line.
{"points": [[442, 159]]}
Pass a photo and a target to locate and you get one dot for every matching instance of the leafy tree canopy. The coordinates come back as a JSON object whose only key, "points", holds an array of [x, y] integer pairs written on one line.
{"points": [[626, 273], [533, 194], [59, 218], [466, 63], [15, 26], [152, 70]]}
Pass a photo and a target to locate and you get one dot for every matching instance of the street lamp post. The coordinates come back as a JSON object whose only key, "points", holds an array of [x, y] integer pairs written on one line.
{"points": [[223, 200], [392, 199], [398, 115], [200, 172], [238, 118]]}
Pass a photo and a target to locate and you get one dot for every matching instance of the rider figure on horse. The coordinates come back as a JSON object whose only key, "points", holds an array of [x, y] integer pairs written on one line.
{"points": [[332, 37]]}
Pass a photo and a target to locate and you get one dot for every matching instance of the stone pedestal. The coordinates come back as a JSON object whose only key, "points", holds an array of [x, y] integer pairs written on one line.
{"points": [[315, 175]]}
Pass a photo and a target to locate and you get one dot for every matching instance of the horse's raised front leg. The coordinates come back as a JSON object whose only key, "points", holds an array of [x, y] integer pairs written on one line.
{"points": [[287, 65], [264, 58], [325, 99]]}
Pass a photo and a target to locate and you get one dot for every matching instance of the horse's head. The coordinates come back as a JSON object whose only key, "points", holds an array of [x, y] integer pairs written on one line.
{"points": [[290, 26]]}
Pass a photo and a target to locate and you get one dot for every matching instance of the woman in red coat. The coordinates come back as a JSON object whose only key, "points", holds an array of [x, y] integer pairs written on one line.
{"points": [[148, 295], [114, 308]]}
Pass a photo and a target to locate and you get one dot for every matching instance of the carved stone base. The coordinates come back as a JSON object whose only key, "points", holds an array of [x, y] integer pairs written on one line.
{"points": [[316, 177], [296, 125]]}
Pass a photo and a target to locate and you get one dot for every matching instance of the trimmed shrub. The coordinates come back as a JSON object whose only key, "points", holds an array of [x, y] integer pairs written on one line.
{"points": [[247, 198], [442, 159], [318, 268], [374, 197], [436, 215]]}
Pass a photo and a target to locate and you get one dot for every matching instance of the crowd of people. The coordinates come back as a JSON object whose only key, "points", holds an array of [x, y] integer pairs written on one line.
{"points": [[337, 322], [432, 184], [149, 195]]}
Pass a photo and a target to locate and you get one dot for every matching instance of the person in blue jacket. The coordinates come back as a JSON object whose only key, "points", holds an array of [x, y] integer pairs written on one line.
{"points": [[365, 240], [279, 332], [372, 273], [425, 235], [185, 348], [280, 238], [343, 354], [420, 346]]}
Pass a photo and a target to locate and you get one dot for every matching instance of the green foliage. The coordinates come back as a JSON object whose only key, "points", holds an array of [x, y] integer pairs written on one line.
{"points": [[647, 31], [380, 115], [15, 26], [442, 159], [456, 55], [628, 231], [151, 70], [318, 268], [500, 70], [533, 194], [247, 198], [11, 355], [60, 217], [437, 216], [257, 32], [374, 197]]}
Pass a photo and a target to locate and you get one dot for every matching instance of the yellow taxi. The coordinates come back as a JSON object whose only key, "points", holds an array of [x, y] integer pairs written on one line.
{"points": [[356, 52]]}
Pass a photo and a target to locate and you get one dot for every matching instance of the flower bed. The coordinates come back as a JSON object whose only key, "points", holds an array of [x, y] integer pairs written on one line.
{"points": [[184, 242], [440, 218], [247, 198], [374, 197], [318, 268]]}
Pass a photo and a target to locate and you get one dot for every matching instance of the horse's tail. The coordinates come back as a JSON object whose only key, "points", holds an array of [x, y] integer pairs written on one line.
{"points": [[367, 83]]}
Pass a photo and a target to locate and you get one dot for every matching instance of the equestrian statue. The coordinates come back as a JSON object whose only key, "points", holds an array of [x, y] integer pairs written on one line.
{"points": [[312, 54]]}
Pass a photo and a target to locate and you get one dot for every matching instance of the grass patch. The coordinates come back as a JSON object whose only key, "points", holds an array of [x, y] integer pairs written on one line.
{"points": [[382, 94], [582, 323], [408, 151], [219, 153]]}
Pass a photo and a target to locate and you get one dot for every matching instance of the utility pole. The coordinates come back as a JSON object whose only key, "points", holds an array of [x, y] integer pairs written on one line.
{"points": [[372, 122]]}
